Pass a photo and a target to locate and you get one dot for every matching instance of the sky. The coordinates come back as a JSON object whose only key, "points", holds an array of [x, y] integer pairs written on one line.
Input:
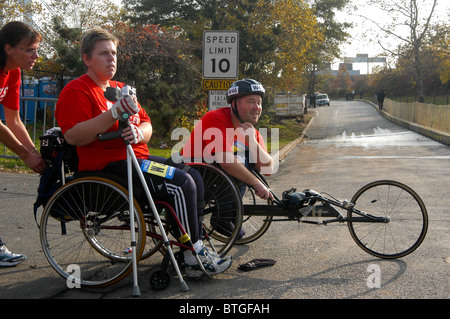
{"points": [[359, 43]]}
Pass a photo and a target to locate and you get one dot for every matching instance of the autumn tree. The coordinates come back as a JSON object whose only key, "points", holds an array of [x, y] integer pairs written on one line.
{"points": [[323, 53], [416, 18], [274, 35], [163, 69]]}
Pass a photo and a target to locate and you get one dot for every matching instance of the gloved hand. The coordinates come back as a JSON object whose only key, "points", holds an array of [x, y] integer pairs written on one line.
{"points": [[133, 134], [126, 103]]}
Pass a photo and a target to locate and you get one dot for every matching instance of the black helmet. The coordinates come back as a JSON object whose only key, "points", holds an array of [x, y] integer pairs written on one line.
{"points": [[244, 87]]}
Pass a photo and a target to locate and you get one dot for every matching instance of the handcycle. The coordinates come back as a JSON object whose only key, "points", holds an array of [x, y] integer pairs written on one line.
{"points": [[90, 236], [386, 218]]}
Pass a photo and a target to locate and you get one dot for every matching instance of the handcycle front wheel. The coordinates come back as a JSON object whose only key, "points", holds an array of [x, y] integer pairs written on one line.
{"points": [[407, 219], [85, 232]]}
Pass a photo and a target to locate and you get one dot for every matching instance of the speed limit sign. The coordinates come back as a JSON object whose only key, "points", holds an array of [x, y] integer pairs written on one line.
{"points": [[220, 54]]}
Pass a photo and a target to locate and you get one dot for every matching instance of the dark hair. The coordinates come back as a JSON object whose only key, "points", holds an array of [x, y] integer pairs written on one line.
{"points": [[13, 33]]}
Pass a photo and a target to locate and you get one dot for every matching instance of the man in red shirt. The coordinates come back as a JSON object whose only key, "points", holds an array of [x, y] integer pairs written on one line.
{"points": [[228, 137]]}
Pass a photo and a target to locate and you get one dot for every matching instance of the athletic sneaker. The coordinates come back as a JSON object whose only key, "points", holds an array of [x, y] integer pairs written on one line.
{"points": [[212, 263], [8, 259]]}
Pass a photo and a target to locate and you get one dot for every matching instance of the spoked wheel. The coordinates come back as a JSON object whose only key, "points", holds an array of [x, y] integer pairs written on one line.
{"points": [[222, 218], [154, 242], [253, 226], [407, 219], [85, 227]]}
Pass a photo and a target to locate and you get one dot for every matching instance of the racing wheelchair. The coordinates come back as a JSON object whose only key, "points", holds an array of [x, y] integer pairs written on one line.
{"points": [[385, 218], [95, 227]]}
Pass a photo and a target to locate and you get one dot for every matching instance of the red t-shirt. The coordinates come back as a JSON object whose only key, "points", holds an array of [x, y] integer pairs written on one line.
{"points": [[10, 89], [82, 99], [215, 133]]}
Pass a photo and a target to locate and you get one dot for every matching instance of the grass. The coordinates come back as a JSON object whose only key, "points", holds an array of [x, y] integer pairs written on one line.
{"points": [[288, 130]]}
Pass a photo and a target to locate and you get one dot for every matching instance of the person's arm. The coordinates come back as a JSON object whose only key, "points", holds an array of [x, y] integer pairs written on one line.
{"points": [[31, 158], [86, 132], [16, 126], [233, 167], [258, 155]]}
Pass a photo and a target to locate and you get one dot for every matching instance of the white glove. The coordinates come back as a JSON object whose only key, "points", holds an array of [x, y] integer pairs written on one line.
{"points": [[125, 103], [137, 134]]}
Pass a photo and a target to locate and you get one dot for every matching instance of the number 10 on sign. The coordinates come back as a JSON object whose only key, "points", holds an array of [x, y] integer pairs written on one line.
{"points": [[220, 54]]}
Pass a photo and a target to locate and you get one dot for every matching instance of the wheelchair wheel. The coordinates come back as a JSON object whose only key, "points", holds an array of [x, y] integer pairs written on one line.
{"points": [[253, 226], [86, 225], [407, 219], [222, 218], [154, 242]]}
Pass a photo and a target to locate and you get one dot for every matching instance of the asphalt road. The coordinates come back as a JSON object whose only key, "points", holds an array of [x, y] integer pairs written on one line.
{"points": [[348, 145]]}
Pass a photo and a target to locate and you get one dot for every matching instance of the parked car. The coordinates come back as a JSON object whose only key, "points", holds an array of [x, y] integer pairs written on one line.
{"points": [[322, 99]]}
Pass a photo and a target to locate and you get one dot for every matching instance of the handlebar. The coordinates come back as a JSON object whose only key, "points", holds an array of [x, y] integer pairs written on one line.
{"points": [[124, 122]]}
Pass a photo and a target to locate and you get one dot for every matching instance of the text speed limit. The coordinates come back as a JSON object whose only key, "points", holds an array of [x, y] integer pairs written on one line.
{"points": [[220, 54]]}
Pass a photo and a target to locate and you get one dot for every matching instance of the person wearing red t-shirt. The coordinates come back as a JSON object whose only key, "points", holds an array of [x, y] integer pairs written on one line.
{"points": [[19, 45], [83, 112], [228, 137]]}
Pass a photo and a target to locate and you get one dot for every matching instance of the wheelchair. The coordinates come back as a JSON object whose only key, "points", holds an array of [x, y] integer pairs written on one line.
{"points": [[89, 217]]}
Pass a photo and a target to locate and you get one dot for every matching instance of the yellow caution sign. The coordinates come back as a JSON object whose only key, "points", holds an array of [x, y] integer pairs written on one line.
{"points": [[217, 84]]}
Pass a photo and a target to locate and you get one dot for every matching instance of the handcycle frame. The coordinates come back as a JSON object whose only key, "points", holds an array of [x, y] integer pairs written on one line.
{"points": [[326, 210], [402, 219]]}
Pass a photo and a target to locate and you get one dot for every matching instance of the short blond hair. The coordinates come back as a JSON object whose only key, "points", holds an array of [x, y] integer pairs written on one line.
{"points": [[92, 36]]}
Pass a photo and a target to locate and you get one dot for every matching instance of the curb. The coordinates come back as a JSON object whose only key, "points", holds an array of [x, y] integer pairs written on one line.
{"points": [[282, 154]]}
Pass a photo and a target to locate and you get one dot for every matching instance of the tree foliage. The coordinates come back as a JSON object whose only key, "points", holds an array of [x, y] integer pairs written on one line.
{"points": [[274, 35], [163, 69]]}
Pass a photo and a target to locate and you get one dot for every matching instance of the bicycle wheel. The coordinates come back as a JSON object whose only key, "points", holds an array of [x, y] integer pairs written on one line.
{"points": [[222, 216], [253, 226], [86, 225], [407, 219]]}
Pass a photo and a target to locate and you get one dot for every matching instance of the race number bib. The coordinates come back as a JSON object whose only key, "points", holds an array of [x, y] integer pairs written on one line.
{"points": [[157, 169]]}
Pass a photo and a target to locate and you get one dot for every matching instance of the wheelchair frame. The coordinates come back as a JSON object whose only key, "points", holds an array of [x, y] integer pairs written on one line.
{"points": [[75, 219], [385, 218]]}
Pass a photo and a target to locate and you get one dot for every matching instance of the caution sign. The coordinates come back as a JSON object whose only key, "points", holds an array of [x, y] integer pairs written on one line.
{"points": [[157, 169], [217, 84]]}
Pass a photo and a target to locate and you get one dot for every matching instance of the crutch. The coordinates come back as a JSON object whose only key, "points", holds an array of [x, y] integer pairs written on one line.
{"points": [[132, 160]]}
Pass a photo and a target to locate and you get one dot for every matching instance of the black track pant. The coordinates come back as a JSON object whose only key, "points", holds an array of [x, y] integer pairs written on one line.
{"points": [[186, 188]]}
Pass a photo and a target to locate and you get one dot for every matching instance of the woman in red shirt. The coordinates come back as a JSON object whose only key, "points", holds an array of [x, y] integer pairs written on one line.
{"points": [[18, 50], [83, 113]]}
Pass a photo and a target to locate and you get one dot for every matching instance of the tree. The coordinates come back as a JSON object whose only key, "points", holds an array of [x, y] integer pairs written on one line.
{"points": [[324, 52], [163, 69], [415, 17], [274, 35], [12, 10]]}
